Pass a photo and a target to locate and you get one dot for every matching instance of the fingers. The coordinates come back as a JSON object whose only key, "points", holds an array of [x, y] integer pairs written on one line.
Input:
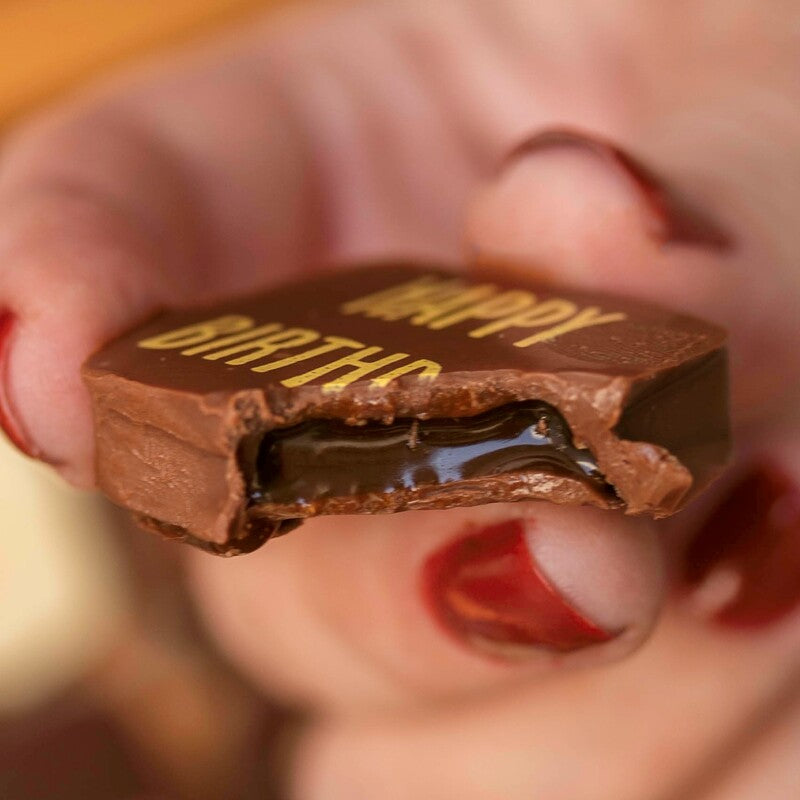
{"points": [[646, 728], [668, 722], [83, 253], [573, 208], [434, 604], [111, 209]]}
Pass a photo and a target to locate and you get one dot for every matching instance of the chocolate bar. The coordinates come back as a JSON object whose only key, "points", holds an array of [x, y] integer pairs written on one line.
{"points": [[398, 386]]}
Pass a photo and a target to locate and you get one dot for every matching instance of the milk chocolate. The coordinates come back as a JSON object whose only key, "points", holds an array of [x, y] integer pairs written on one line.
{"points": [[396, 386]]}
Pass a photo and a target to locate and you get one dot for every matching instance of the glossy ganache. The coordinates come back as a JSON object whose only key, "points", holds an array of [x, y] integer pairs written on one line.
{"points": [[321, 459]]}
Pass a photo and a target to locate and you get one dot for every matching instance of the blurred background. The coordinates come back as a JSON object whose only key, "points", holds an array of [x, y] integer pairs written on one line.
{"points": [[108, 688]]}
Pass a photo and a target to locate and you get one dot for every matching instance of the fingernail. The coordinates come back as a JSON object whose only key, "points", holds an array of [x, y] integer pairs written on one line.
{"points": [[487, 589], [744, 565], [9, 422], [669, 216]]}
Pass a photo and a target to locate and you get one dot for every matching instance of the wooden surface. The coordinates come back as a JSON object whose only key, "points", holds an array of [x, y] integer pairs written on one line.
{"points": [[49, 45]]}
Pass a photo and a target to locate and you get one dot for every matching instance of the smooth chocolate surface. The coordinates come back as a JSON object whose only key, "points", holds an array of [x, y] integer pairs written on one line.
{"points": [[334, 375]]}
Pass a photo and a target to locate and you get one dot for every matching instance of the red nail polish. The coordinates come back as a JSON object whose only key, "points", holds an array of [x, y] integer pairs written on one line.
{"points": [[8, 422], [749, 549], [670, 217], [487, 589]]}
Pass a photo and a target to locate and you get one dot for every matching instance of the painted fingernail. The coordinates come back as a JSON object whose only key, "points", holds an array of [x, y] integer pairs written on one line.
{"points": [[669, 216], [744, 565], [9, 422], [487, 589]]}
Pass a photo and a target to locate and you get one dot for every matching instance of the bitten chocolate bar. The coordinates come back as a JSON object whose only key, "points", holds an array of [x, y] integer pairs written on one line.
{"points": [[396, 387]]}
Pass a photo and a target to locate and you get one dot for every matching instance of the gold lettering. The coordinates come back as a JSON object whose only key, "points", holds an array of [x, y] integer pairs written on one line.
{"points": [[333, 343], [226, 340], [430, 309], [438, 303], [430, 301], [584, 319], [371, 300], [197, 333], [427, 369], [422, 300], [387, 303], [264, 346], [501, 305], [355, 360], [544, 313]]}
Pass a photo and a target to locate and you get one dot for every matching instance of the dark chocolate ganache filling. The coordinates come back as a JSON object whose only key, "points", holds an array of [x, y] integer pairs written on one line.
{"points": [[326, 458]]}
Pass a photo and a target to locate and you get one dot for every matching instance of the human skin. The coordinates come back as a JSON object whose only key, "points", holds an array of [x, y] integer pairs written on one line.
{"points": [[341, 133]]}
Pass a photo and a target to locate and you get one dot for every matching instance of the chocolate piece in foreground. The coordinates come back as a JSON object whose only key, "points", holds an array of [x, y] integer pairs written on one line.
{"points": [[399, 387]]}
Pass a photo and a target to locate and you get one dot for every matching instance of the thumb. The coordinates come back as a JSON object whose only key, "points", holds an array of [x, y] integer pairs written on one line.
{"points": [[572, 208]]}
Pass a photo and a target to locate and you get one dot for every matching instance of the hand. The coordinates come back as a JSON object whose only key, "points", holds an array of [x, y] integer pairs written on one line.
{"points": [[335, 135]]}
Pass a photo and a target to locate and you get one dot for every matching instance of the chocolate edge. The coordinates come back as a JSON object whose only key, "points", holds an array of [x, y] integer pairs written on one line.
{"points": [[601, 412], [244, 413]]}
